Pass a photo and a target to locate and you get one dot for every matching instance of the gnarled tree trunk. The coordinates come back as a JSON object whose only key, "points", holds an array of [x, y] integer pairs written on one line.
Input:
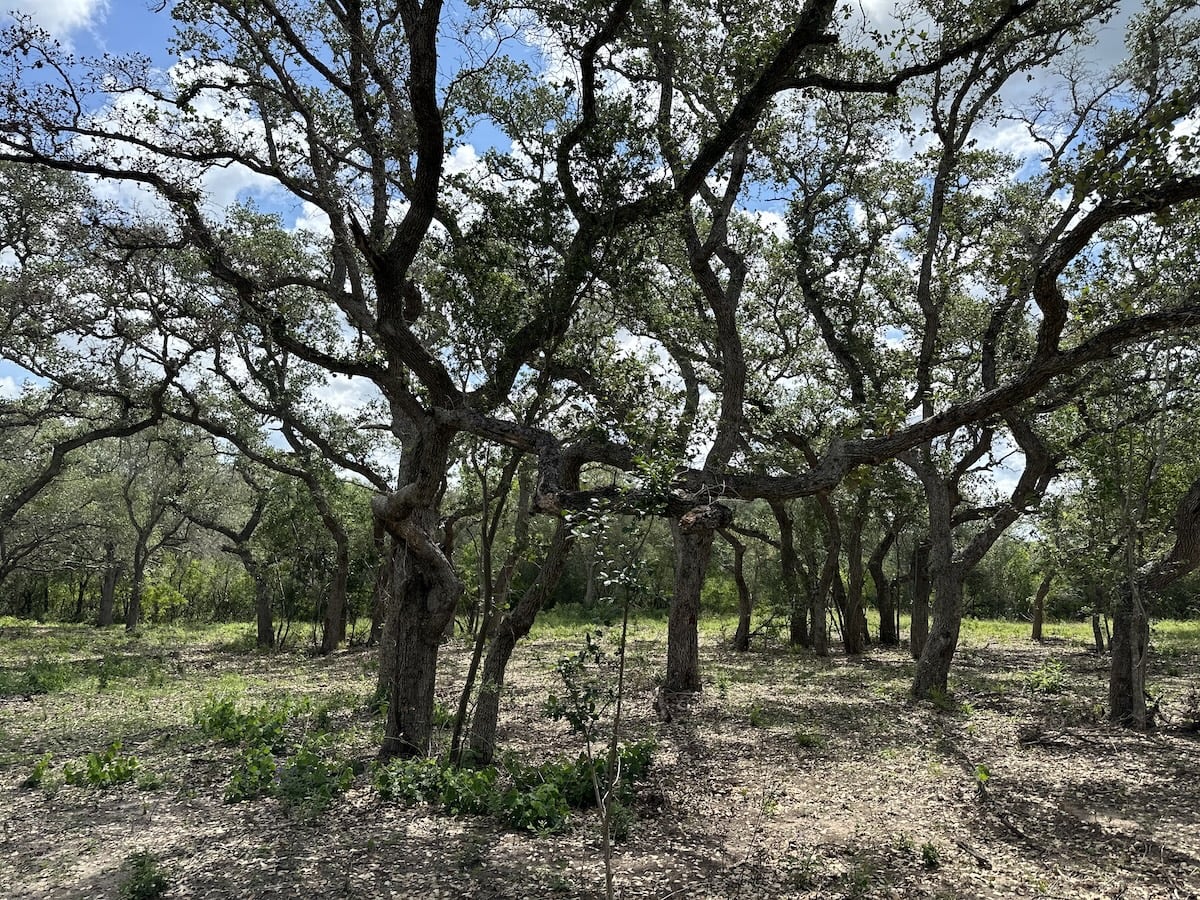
{"points": [[918, 627], [1131, 624], [789, 564], [884, 600], [1039, 605], [424, 590]]}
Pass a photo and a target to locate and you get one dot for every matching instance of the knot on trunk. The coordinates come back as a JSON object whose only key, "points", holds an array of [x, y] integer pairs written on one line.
{"points": [[709, 517]]}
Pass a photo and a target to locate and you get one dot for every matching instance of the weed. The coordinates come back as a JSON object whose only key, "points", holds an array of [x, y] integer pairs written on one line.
{"points": [[982, 776], [757, 716], [1048, 678], [143, 879], [254, 775], [105, 769], [808, 740], [930, 857], [40, 676], [218, 716], [41, 768], [804, 871], [310, 780]]}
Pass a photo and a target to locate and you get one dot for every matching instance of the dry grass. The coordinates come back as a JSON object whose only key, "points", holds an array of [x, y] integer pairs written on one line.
{"points": [[791, 777]]}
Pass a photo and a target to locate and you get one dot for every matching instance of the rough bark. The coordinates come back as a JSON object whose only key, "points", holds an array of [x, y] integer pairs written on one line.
{"points": [[425, 589], [1131, 623], [692, 552], [855, 637], [1039, 605]]}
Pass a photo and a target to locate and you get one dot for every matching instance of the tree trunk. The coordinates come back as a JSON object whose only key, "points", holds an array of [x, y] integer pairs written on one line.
{"points": [[855, 636], [789, 564], [1039, 605], [918, 628], [425, 590], [512, 628], [1097, 633], [692, 552], [334, 625], [383, 578], [888, 636], [1131, 624], [108, 587], [133, 612], [933, 668], [741, 637]]}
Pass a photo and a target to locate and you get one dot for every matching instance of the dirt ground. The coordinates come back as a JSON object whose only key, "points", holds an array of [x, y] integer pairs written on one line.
{"points": [[790, 776]]}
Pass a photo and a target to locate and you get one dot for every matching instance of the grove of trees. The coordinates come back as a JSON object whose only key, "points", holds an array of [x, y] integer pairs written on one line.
{"points": [[789, 308]]}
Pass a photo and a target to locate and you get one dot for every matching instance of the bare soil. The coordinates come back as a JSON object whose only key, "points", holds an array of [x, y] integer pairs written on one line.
{"points": [[789, 776]]}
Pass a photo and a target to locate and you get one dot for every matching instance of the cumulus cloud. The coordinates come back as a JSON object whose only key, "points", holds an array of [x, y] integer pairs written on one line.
{"points": [[60, 17]]}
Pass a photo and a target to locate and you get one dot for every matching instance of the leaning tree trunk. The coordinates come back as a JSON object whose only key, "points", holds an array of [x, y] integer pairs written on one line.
{"points": [[933, 667], [514, 626], [1039, 605], [693, 548], [1131, 624]]}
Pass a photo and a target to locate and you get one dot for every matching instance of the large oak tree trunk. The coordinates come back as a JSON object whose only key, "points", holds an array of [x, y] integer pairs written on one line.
{"points": [[692, 552], [933, 667], [1131, 624], [425, 591]]}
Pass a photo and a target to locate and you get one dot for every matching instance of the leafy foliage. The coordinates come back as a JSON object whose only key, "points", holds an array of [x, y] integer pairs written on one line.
{"points": [[104, 769], [144, 879]]}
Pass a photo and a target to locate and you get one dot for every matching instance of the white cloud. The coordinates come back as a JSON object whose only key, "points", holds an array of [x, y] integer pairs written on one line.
{"points": [[9, 389], [60, 17]]}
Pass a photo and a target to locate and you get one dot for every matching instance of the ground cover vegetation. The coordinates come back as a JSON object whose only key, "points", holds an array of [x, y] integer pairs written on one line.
{"points": [[856, 325]]}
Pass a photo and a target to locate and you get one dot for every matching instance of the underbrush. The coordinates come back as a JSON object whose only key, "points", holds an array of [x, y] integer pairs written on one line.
{"points": [[525, 797]]}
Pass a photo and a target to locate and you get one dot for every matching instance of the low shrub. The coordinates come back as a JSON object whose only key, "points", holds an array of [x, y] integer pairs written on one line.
{"points": [[143, 879], [105, 769]]}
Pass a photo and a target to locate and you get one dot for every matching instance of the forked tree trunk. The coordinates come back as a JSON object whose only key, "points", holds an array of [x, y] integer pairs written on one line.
{"points": [[888, 635], [1131, 623], [1039, 605], [692, 552], [514, 626]]}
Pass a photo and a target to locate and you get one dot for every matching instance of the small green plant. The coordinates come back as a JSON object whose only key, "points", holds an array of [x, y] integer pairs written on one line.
{"points": [[310, 780], [809, 740], [1048, 678], [254, 775], [541, 810], [757, 716], [143, 878], [219, 717], [41, 676], [105, 769], [982, 776], [930, 857], [41, 768]]}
